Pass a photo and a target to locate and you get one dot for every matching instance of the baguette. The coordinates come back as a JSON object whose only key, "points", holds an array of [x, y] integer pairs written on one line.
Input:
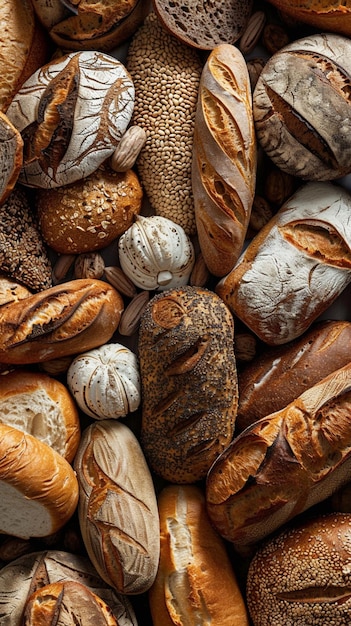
{"points": [[193, 559], [65, 319], [224, 158], [283, 464]]}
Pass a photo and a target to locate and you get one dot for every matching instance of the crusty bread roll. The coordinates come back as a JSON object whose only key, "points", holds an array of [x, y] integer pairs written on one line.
{"points": [[66, 603], [117, 509], [295, 267], [189, 382], [283, 464], [193, 562], [301, 576], [281, 373], [224, 158], [23, 576], [89, 214], [38, 487], [41, 406], [66, 319]]}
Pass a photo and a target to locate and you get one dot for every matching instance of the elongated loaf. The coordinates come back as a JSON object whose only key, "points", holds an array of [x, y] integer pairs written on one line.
{"points": [[283, 464], [66, 319], [193, 559], [224, 158]]}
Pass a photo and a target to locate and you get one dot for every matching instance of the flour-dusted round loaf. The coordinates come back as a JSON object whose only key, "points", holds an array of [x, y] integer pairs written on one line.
{"points": [[117, 510], [38, 487], [301, 577], [301, 107], [90, 213], [189, 382], [28, 573], [71, 114], [295, 267], [42, 406]]}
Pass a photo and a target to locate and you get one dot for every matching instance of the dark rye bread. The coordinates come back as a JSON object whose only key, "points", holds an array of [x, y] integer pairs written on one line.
{"points": [[202, 24]]}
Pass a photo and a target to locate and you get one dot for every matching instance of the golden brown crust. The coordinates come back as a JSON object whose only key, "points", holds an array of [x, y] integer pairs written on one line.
{"points": [[193, 559], [332, 16], [66, 319]]}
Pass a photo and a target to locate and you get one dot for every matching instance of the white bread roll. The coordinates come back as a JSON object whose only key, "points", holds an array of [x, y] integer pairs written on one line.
{"points": [[38, 487], [41, 406]]}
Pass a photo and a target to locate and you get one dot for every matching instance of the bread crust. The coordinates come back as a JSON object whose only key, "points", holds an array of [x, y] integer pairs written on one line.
{"points": [[332, 16], [193, 559], [65, 319]]}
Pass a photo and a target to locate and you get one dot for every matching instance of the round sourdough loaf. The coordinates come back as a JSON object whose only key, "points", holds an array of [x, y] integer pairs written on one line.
{"points": [[41, 406], [38, 487]]}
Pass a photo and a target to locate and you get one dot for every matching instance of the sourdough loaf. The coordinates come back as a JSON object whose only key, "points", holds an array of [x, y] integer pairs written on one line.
{"points": [[295, 267], [283, 464], [224, 158], [193, 559], [189, 382], [65, 319]]}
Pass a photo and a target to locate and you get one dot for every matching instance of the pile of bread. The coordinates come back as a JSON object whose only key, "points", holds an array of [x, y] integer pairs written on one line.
{"points": [[175, 333]]}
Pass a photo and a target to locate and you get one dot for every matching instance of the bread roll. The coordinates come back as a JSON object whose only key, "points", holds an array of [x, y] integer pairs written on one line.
{"points": [[283, 464], [41, 406], [26, 574], [224, 158], [66, 319], [281, 373], [193, 560], [189, 382], [66, 603], [332, 16], [295, 267], [301, 576], [117, 507], [38, 487]]}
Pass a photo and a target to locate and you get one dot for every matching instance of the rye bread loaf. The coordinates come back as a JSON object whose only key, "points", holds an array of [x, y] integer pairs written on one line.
{"points": [[283, 464], [189, 382]]}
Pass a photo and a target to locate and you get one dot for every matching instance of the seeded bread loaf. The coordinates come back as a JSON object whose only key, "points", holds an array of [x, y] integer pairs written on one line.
{"points": [[189, 382]]}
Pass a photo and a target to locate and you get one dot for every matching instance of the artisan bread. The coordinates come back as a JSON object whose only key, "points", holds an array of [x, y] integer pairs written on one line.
{"points": [[301, 576], [66, 602], [189, 382], [89, 214], [280, 374], [38, 487], [117, 509], [295, 267], [332, 16], [11, 156], [41, 406], [202, 25], [193, 559], [28, 573], [224, 158], [283, 464], [65, 319]]}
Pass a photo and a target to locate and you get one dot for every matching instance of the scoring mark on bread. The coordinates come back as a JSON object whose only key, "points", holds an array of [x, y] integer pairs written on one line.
{"points": [[319, 240], [317, 595]]}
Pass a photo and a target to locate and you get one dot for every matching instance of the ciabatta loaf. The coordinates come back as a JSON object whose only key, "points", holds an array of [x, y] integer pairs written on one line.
{"points": [[193, 560], [283, 464], [38, 487]]}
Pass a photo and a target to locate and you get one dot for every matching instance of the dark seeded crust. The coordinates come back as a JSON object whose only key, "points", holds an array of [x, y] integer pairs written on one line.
{"points": [[195, 23], [189, 382]]}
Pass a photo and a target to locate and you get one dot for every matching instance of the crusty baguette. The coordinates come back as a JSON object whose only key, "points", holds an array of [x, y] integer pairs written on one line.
{"points": [[42, 406], [283, 464], [224, 158], [65, 319], [193, 560], [38, 487]]}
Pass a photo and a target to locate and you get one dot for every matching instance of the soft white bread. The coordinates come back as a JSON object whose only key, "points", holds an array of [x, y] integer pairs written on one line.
{"points": [[117, 507], [65, 319], [41, 406], [193, 562], [283, 464], [224, 158], [301, 576], [38, 487]]}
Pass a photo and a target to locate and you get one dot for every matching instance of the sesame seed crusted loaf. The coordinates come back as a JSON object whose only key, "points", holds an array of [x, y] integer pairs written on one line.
{"points": [[301, 577], [189, 382]]}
